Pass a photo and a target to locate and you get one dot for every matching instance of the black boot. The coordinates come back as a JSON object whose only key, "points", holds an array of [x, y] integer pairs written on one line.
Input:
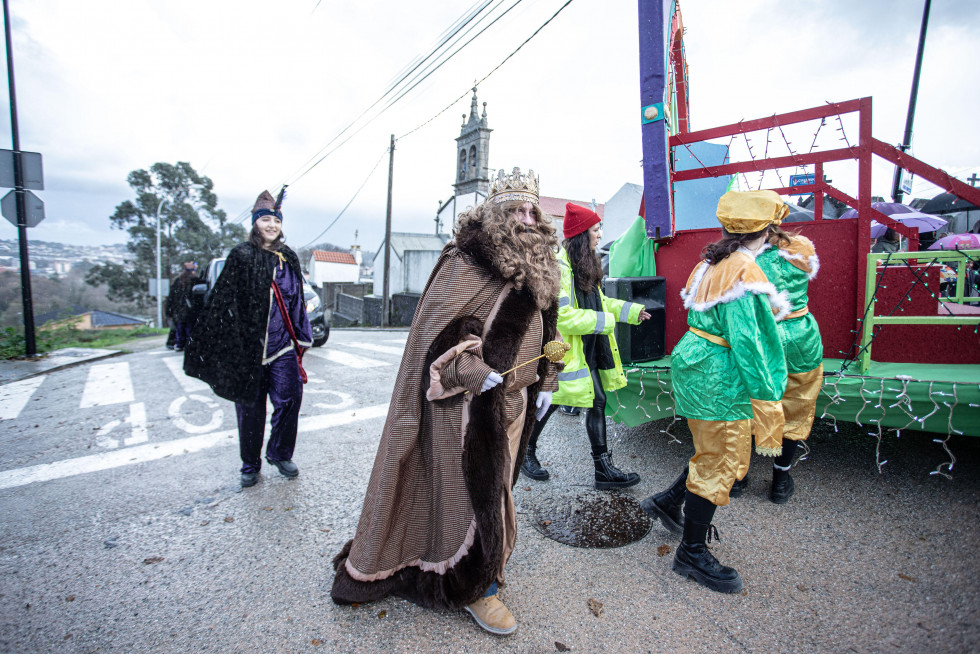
{"points": [[782, 484], [607, 476], [738, 487], [693, 559], [531, 466], [667, 506]]}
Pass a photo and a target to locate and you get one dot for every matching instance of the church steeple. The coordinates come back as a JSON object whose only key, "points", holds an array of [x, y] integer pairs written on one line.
{"points": [[473, 152]]}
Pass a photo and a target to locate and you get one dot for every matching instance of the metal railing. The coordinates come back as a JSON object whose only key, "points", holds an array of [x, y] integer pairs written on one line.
{"points": [[871, 283]]}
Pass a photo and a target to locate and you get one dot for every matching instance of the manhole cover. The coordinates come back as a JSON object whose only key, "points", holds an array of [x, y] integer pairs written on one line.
{"points": [[596, 520]]}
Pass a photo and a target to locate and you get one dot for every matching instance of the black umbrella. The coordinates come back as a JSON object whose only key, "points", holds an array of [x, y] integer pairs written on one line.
{"points": [[798, 214], [947, 203]]}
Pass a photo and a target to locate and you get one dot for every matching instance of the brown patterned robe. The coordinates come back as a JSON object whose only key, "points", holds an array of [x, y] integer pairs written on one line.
{"points": [[437, 525]]}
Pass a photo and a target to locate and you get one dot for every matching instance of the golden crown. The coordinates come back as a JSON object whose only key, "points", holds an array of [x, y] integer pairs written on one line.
{"points": [[516, 187]]}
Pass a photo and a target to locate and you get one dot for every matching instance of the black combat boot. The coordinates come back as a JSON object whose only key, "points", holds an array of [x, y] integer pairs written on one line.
{"points": [[667, 506], [738, 487], [782, 484], [607, 476], [531, 467], [693, 559]]}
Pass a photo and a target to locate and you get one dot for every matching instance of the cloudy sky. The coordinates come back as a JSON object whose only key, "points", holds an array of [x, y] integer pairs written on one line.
{"points": [[251, 93]]}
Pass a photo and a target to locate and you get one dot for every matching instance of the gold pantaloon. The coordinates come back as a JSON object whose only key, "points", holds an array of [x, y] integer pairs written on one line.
{"points": [[722, 449]]}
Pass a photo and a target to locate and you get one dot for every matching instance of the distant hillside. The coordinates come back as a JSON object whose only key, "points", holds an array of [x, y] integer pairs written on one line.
{"points": [[48, 257]]}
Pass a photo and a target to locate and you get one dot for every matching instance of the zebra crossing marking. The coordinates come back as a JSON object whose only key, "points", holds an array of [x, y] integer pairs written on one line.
{"points": [[107, 383], [154, 451], [385, 349], [189, 384], [346, 358], [15, 395]]}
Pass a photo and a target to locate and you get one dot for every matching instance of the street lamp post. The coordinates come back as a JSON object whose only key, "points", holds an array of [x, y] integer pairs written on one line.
{"points": [[163, 201]]}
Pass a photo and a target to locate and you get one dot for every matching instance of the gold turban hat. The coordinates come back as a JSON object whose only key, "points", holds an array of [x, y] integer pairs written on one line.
{"points": [[744, 212]]}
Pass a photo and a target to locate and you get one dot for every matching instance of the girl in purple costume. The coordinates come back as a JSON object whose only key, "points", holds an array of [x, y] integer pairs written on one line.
{"points": [[242, 348]]}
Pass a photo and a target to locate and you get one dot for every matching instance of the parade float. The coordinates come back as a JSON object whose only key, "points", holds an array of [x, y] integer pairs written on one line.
{"points": [[900, 355]]}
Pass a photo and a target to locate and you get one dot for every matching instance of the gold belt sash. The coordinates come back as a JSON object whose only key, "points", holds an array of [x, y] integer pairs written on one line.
{"points": [[799, 313], [717, 340]]}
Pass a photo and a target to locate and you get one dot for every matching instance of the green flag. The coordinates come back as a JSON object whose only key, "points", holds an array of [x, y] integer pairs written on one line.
{"points": [[632, 254]]}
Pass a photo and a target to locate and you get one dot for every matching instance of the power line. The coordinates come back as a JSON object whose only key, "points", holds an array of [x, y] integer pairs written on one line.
{"points": [[293, 180], [415, 83], [484, 78], [464, 20], [403, 93], [320, 235]]}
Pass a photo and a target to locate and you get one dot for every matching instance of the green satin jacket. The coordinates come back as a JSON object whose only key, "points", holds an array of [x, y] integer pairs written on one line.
{"points": [[790, 268], [714, 382]]}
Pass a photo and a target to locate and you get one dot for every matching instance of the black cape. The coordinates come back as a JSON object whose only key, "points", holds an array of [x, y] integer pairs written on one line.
{"points": [[225, 349], [179, 304]]}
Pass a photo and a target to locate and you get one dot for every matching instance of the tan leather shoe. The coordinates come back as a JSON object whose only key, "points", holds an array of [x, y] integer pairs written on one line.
{"points": [[491, 614]]}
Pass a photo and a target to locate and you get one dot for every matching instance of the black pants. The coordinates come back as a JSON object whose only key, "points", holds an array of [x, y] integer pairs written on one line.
{"points": [[595, 419]]}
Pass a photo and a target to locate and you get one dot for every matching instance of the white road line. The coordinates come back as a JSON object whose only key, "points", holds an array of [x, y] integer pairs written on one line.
{"points": [[385, 349], [347, 359], [14, 396], [189, 384], [108, 383], [152, 452], [396, 340]]}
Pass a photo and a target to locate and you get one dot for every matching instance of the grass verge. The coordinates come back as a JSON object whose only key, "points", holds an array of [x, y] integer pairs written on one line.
{"points": [[12, 343]]}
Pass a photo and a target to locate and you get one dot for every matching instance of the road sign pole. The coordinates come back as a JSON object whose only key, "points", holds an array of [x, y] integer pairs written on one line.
{"points": [[25, 269]]}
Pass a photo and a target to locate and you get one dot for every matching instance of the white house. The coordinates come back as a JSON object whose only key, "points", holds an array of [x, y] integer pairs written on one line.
{"points": [[333, 267], [413, 258]]}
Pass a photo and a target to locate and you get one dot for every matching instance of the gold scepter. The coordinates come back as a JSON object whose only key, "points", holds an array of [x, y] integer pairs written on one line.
{"points": [[554, 350]]}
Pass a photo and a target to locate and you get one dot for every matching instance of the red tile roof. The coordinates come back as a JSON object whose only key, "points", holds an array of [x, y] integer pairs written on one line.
{"points": [[334, 257], [556, 206]]}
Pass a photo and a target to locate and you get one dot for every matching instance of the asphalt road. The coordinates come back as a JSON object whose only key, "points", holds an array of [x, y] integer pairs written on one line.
{"points": [[125, 530]]}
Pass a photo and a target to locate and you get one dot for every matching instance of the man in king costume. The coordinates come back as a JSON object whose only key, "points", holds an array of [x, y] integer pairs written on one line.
{"points": [[438, 523]]}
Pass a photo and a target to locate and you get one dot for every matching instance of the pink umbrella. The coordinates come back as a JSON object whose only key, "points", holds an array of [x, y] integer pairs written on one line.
{"points": [[920, 222], [957, 242]]}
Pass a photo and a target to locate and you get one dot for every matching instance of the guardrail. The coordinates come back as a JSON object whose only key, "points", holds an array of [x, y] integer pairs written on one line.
{"points": [[959, 257]]}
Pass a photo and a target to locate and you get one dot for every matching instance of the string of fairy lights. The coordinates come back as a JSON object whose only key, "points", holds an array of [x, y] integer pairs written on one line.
{"points": [[887, 396]]}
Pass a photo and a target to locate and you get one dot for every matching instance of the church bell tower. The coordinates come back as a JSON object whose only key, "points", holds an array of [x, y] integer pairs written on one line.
{"points": [[472, 153]]}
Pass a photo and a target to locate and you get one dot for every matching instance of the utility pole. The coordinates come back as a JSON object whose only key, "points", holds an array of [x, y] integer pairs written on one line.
{"points": [[385, 287], [907, 142], [25, 269]]}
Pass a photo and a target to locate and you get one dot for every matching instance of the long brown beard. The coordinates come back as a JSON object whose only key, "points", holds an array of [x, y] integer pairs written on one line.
{"points": [[522, 254]]}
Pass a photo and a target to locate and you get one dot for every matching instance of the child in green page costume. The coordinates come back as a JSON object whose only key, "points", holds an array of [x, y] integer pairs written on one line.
{"points": [[586, 320], [730, 357], [789, 261]]}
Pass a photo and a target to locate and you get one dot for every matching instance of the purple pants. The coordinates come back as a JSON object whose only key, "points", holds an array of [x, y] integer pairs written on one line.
{"points": [[282, 384], [182, 334]]}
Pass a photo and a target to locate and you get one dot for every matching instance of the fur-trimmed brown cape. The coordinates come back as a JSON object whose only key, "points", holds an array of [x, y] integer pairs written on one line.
{"points": [[431, 529]]}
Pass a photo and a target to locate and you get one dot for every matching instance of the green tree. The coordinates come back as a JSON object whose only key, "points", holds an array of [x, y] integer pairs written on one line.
{"points": [[192, 228]]}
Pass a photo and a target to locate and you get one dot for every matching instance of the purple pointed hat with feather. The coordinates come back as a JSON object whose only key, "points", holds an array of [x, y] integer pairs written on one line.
{"points": [[266, 205]]}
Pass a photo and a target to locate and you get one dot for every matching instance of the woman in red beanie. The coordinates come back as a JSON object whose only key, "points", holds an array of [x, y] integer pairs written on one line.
{"points": [[586, 320]]}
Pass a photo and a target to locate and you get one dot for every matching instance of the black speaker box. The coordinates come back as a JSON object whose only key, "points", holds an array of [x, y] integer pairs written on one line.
{"points": [[648, 340]]}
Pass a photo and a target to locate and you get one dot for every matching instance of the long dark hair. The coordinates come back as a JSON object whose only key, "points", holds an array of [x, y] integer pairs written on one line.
{"points": [[720, 250], [255, 238], [586, 265], [778, 235]]}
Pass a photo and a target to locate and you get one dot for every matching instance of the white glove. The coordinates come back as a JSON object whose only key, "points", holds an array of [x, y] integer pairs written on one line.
{"points": [[492, 380], [543, 404]]}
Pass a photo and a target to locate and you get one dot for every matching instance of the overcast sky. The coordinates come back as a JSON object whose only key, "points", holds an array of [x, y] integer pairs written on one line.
{"points": [[250, 92]]}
